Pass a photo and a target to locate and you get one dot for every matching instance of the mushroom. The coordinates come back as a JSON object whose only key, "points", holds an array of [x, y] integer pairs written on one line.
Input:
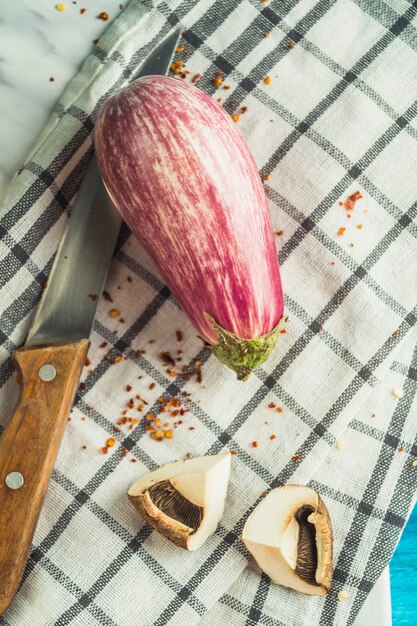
{"points": [[289, 534], [184, 500]]}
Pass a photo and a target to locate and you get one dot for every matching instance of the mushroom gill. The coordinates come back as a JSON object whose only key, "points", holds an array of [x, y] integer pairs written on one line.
{"points": [[289, 534], [170, 501]]}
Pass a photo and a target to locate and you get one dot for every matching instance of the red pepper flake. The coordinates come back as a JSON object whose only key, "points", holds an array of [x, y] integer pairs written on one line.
{"points": [[243, 109], [232, 452], [83, 447], [150, 417], [266, 35], [51, 79], [104, 16], [273, 437], [360, 226], [181, 48], [178, 335], [82, 11], [103, 344], [158, 435], [133, 460], [121, 7], [341, 231], [81, 386], [95, 41], [373, 414], [266, 177], [401, 449], [351, 201], [191, 428], [297, 458], [219, 100], [152, 386], [166, 358], [199, 377], [267, 80], [279, 409], [169, 434], [128, 387], [104, 449], [283, 331], [291, 44], [279, 232], [236, 117], [254, 444], [271, 405], [196, 77], [124, 452], [217, 81], [107, 296], [117, 358], [395, 333], [87, 362], [110, 442]]}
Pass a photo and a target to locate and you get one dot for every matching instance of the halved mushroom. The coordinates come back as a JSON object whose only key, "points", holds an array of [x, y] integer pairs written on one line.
{"points": [[184, 501], [290, 536]]}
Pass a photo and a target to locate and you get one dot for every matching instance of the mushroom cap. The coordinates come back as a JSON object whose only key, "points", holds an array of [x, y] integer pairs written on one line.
{"points": [[290, 536]]}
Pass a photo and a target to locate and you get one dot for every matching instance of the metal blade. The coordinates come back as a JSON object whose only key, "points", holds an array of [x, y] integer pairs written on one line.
{"points": [[68, 305]]}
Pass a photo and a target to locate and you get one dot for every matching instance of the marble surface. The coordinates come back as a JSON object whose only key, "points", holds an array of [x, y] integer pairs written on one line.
{"points": [[36, 43]]}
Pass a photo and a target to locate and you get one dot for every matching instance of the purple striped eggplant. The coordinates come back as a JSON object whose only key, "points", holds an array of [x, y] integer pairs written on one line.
{"points": [[185, 182]]}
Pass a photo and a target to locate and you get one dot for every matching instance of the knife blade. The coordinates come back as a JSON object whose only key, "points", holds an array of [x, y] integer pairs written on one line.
{"points": [[50, 362]]}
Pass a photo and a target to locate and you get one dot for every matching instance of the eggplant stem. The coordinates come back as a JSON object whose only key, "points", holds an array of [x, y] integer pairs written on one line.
{"points": [[243, 355]]}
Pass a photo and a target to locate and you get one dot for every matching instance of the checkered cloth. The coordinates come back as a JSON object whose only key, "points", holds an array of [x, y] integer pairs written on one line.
{"points": [[338, 116]]}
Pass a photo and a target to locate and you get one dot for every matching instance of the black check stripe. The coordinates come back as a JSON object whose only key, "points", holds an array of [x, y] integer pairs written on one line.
{"points": [[388, 450]]}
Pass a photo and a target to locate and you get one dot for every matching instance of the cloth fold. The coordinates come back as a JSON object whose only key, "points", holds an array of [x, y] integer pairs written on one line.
{"points": [[337, 116]]}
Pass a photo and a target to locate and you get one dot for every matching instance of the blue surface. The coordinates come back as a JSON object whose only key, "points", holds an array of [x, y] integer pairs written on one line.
{"points": [[403, 573]]}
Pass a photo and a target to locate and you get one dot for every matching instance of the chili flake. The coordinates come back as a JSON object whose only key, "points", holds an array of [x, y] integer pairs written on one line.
{"points": [[279, 409], [291, 44], [104, 16], [401, 449], [110, 442], [267, 80], [297, 458], [217, 81], [271, 405], [351, 201], [273, 437], [152, 386], [196, 77], [360, 226], [158, 435], [169, 434], [341, 231], [117, 358], [236, 117], [266, 35], [114, 313], [104, 449], [254, 444], [266, 177], [178, 335], [83, 447], [51, 79], [95, 41], [61, 7], [82, 11], [232, 452], [128, 387]]}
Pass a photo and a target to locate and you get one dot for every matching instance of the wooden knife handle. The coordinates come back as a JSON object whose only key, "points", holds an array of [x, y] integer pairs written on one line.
{"points": [[28, 447]]}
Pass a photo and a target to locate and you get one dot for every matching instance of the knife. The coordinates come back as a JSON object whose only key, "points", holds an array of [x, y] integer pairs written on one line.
{"points": [[50, 362]]}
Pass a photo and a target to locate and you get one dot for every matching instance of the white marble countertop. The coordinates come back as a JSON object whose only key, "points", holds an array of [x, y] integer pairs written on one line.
{"points": [[37, 43]]}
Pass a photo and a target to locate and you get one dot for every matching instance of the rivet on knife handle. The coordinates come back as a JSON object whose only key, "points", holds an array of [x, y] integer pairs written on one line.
{"points": [[28, 448]]}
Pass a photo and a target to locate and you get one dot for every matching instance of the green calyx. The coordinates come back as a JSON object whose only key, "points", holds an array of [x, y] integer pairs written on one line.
{"points": [[243, 355]]}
